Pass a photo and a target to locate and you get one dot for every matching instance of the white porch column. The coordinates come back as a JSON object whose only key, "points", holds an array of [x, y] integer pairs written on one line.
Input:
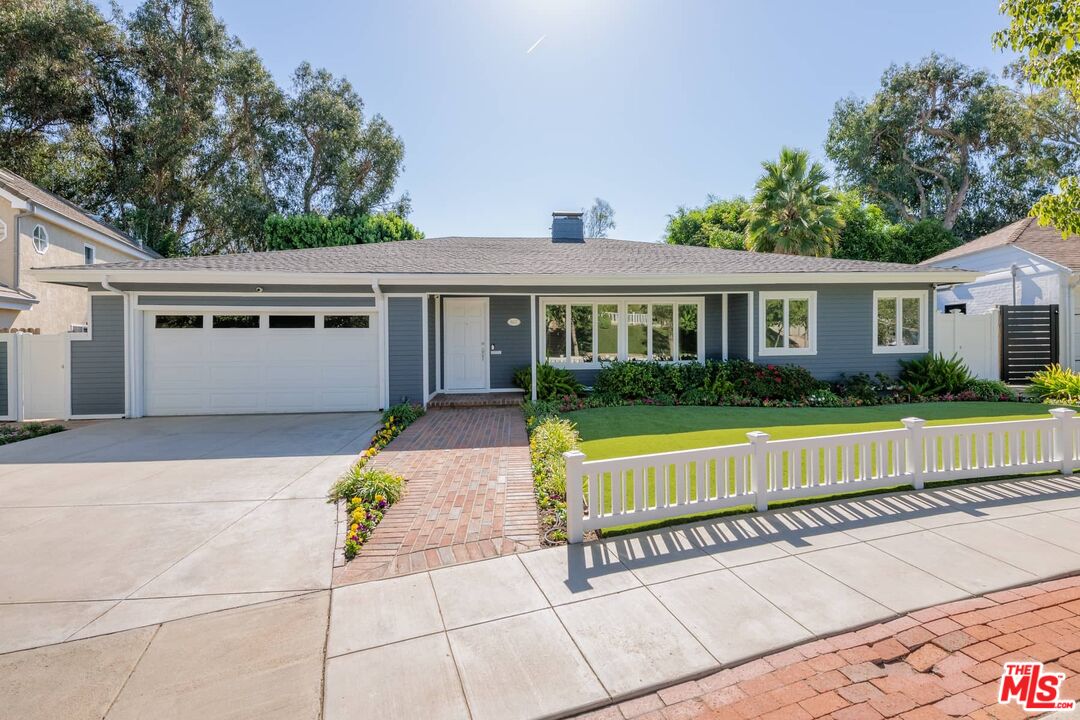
{"points": [[532, 342]]}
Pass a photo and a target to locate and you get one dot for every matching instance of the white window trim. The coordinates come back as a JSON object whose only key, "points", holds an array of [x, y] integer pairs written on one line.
{"points": [[34, 239], [808, 295], [622, 352], [898, 349], [93, 254]]}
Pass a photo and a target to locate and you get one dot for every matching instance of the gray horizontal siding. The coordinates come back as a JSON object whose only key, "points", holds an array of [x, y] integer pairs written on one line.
{"points": [[406, 349], [713, 325], [97, 365], [241, 287], [845, 316], [737, 328], [257, 301], [432, 375], [512, 343], [5, 350]]}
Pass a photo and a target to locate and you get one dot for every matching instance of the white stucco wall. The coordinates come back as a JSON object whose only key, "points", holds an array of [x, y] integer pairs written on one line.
{"points": [[1038, 282]]}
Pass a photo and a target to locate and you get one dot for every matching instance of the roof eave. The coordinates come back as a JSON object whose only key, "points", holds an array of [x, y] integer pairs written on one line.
{"points": [[80, 276]]}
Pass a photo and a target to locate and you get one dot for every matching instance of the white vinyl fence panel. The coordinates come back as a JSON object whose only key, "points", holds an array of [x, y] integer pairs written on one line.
{"points": [[622, 491], [976, 339]]}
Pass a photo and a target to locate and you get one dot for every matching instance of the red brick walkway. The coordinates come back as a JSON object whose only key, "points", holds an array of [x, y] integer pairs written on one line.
{"points": [[942, 662], [469, 495]]}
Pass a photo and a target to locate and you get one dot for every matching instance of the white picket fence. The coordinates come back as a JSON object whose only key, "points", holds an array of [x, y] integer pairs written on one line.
{"points": [[622, 491]]}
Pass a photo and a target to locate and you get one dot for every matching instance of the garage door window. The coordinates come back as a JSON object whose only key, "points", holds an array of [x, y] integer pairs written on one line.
{"points": [[236, 321], [289, 322], [178, 322], [337, 322]]}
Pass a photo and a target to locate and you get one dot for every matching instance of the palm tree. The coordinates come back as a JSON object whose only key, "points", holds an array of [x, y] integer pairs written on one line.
{"points": [[792, 209]]}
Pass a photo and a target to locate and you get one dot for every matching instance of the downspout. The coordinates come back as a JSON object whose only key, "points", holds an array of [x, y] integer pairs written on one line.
{"points": [[1012, 273], [17, 274]]}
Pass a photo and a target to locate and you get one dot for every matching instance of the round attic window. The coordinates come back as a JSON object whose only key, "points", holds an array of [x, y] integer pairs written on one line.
{"points": [[513, 322]]}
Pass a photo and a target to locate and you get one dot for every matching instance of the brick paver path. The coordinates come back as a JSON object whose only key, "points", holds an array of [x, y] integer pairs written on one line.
{"points": [[469, 495], [942, 662]]}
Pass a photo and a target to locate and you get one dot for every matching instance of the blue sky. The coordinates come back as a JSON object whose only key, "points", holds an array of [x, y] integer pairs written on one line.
{"points": [[650, 105]]}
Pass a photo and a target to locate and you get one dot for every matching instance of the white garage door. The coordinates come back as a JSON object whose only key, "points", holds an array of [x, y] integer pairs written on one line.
{"points": [[224, 362]]}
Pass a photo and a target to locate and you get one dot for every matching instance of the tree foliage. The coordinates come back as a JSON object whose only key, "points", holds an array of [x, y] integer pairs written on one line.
{"points": [[1047, 32], [868, 234], [939, 140], [720, 224], [313, 230], [599, 219], [793, 211], [165, 124]]}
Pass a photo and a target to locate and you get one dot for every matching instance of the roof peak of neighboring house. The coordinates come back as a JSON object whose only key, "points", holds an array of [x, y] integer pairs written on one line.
{"points": [[50, 201], [1042, 240], [520, 256]]}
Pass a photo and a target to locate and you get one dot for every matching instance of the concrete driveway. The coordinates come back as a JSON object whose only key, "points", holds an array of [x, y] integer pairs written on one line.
{"points": [[128, 523]]}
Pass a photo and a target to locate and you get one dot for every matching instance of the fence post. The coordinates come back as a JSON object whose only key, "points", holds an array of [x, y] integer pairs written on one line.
{"points": [[575, 496], [758, 467], [1063, 438], [913, 458]]}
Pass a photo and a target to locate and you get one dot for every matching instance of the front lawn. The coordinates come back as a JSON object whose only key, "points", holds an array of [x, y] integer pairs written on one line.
{"points": [[642, 429]]}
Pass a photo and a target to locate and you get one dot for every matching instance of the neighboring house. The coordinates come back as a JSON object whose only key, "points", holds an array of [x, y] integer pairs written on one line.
{"points": [[39, 229], [1020, 264], [365, 326]]}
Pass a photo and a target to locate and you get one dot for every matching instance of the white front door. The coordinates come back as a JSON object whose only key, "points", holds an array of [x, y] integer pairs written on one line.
{"points": [[465, 343]]}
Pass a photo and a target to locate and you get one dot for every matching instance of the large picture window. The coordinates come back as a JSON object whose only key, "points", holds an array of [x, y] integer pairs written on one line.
{"points": [[787, 323], [900, 321], [586, 332]]}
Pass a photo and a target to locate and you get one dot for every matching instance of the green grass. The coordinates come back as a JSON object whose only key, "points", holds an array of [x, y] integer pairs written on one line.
{"points": [[640, 430], [643, 429]]}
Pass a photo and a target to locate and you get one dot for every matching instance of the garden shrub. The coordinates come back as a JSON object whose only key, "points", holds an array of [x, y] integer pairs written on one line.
{"points": [[551, 382], [628, 379], [772, 382], [548, 440], [14, 432], [367, 484], [864, 389], [369, 492], [990, 390], [1056, 384], [933, 375]]}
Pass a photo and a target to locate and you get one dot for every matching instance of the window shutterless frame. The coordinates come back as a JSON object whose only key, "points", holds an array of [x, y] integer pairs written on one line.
{"points": [[621, 304], [786, 296], [898, 297]]}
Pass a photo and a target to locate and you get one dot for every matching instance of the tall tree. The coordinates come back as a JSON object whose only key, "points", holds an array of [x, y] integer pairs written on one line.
{"points": [[793, 211], [341, 163], [1047, 32], [599, 219], [938, 140], [719, 224], [168, 126]]}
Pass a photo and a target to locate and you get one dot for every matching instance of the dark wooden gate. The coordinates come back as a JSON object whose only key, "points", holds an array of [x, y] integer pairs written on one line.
{"points": [[1029, 340]]}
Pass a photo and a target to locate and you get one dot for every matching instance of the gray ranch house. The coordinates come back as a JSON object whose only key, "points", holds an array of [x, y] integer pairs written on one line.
{"points": [[363, 327]]}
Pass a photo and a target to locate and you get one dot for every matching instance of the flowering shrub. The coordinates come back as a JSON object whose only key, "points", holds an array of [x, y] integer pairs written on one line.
{"points": [[369, 492], [549, 438], [364, 515]]}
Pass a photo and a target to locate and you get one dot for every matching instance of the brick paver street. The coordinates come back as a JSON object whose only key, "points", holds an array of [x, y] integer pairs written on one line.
{"points": [[941, 662], [469, 495]]}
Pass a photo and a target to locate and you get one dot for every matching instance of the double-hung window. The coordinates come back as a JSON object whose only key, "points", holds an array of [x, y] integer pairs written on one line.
{"points": [[900, 321], [582, 332], [787, 323]]}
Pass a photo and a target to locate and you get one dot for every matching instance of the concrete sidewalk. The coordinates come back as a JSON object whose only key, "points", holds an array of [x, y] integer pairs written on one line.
{"points": [[556, 631]]}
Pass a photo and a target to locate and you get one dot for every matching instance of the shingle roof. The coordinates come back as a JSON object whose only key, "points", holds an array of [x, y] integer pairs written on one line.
{"points": [[1043, 240], [513, 256], [39, 196]]}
